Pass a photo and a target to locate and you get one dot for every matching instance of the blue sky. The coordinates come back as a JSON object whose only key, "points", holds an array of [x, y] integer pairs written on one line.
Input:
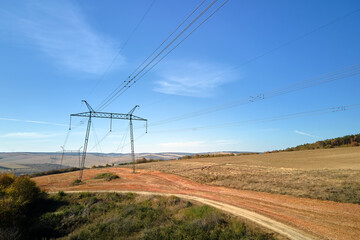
{"points": [[56, 53]]}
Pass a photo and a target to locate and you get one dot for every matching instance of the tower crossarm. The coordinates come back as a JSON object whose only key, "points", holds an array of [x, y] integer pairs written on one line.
{"points": [[93, 114], [108, 115]]}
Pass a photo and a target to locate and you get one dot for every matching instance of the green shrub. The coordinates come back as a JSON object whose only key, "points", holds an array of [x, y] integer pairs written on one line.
{"points": [[61, 194], [85, 195], [123, 216], [106, 176], [6, 179], [197, 212], [77, 182], [18, 196]]}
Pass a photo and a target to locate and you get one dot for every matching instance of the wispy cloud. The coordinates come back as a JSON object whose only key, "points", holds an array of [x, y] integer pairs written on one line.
{"points": [[28, 135], [60, 30], [305, 134], [31, 121], [196, 79]]}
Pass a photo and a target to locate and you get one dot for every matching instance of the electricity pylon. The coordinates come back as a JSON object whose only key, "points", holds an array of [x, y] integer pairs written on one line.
{"points": [[78, 152], [93, 114]]}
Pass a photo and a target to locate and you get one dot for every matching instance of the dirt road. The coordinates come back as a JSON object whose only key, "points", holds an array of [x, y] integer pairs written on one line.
{"points": [[295, 218]]}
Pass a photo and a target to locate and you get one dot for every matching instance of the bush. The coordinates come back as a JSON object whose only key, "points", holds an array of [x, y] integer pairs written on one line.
{"points": [[197, 212], [6, 180], [106, 176], [18, 196], [77, 182], [61, 194], [124, 216]]}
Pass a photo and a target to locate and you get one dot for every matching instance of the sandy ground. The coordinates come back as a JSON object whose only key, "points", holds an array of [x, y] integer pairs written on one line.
{"points": [[296, 218]]}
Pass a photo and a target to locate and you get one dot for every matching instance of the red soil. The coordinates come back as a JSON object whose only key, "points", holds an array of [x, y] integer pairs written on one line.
{"points": [[321, 219]]}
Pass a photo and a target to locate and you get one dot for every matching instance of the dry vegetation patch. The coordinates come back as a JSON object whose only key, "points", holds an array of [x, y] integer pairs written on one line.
{"points": [[329, 174]]}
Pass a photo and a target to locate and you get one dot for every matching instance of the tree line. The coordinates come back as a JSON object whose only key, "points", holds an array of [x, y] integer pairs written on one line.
{"points": [[346, 141]]}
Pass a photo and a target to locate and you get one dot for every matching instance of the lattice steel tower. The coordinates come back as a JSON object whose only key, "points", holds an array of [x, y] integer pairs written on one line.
{"points": [[93, 114]]}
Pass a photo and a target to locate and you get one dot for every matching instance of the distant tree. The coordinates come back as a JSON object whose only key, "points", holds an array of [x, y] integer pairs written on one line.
{"points": [[349, 140]]}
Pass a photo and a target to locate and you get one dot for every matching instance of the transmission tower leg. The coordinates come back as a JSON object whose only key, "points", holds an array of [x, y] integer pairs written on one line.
{"points": [[132, 144], [82, 165], [62, 158], [79, 159]]}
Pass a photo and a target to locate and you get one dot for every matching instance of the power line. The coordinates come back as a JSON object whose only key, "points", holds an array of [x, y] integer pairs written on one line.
{"points": [[137, 138], [322, 79], [132, 80], [122, 141], [124, 89], [269, 119], [122, 47], [97, 143], [102, 139], [166, 39], [169, 51], [292, 41], [285, 44], [263, 120]]}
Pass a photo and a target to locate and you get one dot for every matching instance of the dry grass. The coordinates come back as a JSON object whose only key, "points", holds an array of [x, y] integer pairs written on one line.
{"points": [[328, 174]]}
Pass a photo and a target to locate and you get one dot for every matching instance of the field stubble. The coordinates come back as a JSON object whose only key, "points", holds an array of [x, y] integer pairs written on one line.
{"points": [[328, 174]]}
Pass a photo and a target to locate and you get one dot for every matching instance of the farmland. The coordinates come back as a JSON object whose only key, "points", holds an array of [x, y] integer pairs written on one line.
{"points": [[327, 174], [33, 162], [292, 217], [28, 213], [253, 187]]}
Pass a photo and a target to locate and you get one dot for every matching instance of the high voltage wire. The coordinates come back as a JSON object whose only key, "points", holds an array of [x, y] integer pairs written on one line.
{"points": [[137, 138], [102, 139], [172, 41], [321, 79], [118, 92], [324, 78], [132, 80], [269, 119], [168, 37], [108, 100], [122, 142], [285, 44], [125, 89], [122, 47], [244, 63], [122, 86], [97, 143], [292, 41]]}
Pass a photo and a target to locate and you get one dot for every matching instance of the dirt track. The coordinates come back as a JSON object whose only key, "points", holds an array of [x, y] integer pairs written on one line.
{"points": [[296, 218]]}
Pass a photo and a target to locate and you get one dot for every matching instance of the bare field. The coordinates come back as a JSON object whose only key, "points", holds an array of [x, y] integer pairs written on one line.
{"points": [[291, 217], [328, 174]]}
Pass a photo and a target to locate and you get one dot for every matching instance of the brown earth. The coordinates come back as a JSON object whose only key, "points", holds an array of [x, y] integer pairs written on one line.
{"points": [[295, 218], [327, 174]]}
